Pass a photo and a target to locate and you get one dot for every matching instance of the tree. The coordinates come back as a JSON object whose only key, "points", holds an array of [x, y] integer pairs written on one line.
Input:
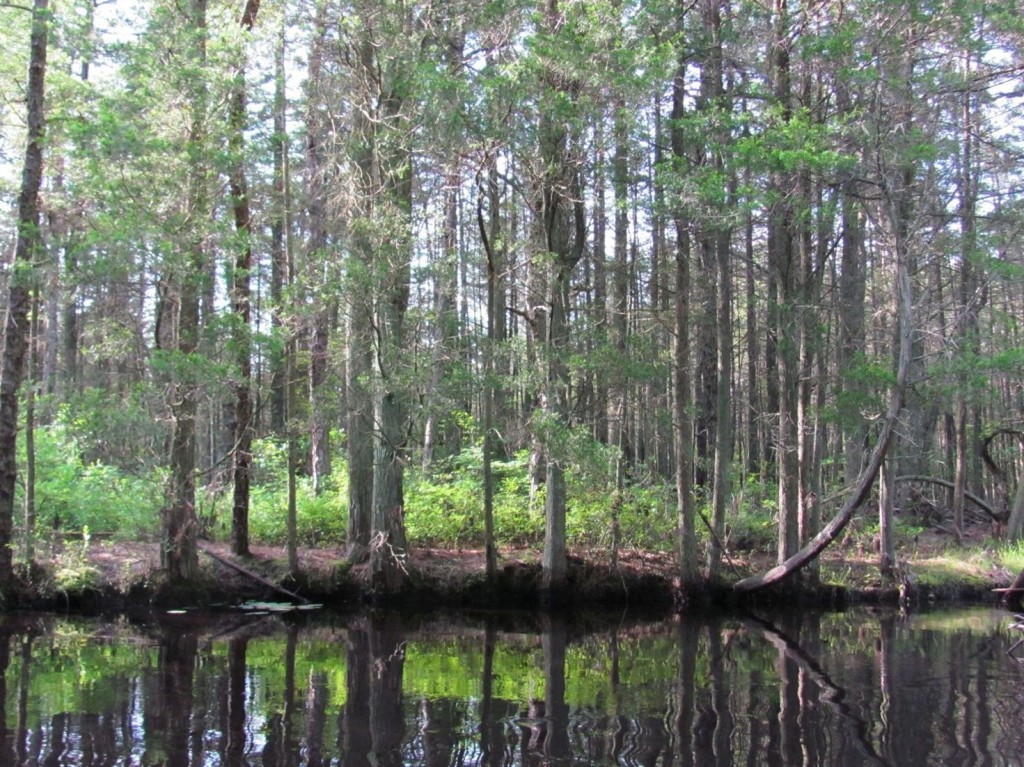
{"points": [[558, 208], [241, 301], [27, 253], [682, 397], [380, 56], [318, 256], [892, 166], [784, 268], [179, 555]]}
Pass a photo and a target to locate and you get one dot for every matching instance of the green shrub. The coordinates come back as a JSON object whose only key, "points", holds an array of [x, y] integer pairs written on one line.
{"points": [[445, 507], [515, 520], [754, 524], [72, 494], [72, 569], [320, 520]]}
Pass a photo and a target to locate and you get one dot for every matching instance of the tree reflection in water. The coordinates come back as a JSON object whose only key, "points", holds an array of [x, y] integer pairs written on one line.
{"points": [[168, 702], [855, 688]]}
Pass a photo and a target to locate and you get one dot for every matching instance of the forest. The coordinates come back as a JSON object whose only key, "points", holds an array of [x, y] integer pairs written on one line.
{"points": [[672, 275]]}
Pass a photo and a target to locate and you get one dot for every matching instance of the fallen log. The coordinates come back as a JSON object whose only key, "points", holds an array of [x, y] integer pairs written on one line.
{"points": [[862, 487], [250, 574], [946, 483], [1012, 595]]}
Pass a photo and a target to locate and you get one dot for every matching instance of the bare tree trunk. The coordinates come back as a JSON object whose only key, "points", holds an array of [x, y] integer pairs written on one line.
{"points": [[1015, 525], [755, 447], [851, 331], [359, 435], [30, 435], [358, 401], [617, 320], [292, 513], [596, 270], [66, 302], [319, 427], [886, 519], [384, 159]]}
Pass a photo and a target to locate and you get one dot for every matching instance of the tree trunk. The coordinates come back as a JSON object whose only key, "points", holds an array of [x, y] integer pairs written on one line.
{"points": [[971, 293], [179, 555], [388, 550], [384, 159], [1015, 525], [755, 447], [785, 269], [851, 320], [562, 225], [886, 518], [317, 132], [30, 436], [358, 399], [27, 252], [554, 561], [319, 426], [489, 237], [358, 432], [718, 101], [619, 283], [279, 241], [682, 400], [241, 292], [445, 277], [291, 513]]}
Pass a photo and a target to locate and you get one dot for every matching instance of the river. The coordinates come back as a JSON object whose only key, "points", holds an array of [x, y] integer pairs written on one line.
{"points": [[860, 687]]}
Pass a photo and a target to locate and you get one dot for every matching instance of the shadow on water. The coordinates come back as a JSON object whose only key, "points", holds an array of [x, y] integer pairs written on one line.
{"points": [[855, 688]]}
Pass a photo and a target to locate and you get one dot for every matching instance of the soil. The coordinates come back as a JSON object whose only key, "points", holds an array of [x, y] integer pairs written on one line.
{"points": [[114, 575]]}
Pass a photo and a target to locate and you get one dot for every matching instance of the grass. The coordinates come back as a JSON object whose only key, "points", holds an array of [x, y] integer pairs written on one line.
{"points": [[1011, 556], [930, 559]]}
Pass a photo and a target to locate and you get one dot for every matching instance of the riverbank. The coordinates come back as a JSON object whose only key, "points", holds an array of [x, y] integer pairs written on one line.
{"points": [[111, 575]]}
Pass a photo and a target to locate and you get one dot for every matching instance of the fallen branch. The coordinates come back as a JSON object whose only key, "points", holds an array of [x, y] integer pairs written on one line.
{"points": [[946, 483], [250, 574]]}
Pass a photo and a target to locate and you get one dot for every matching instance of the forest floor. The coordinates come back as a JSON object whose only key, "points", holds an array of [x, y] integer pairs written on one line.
{"points": [[102, 574]]}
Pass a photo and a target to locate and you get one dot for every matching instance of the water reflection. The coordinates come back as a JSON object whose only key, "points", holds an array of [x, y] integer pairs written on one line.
{"points": [[838, 689]]}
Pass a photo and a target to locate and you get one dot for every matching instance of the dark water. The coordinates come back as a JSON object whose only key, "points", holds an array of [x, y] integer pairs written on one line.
{"points": [[835, 689]]}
